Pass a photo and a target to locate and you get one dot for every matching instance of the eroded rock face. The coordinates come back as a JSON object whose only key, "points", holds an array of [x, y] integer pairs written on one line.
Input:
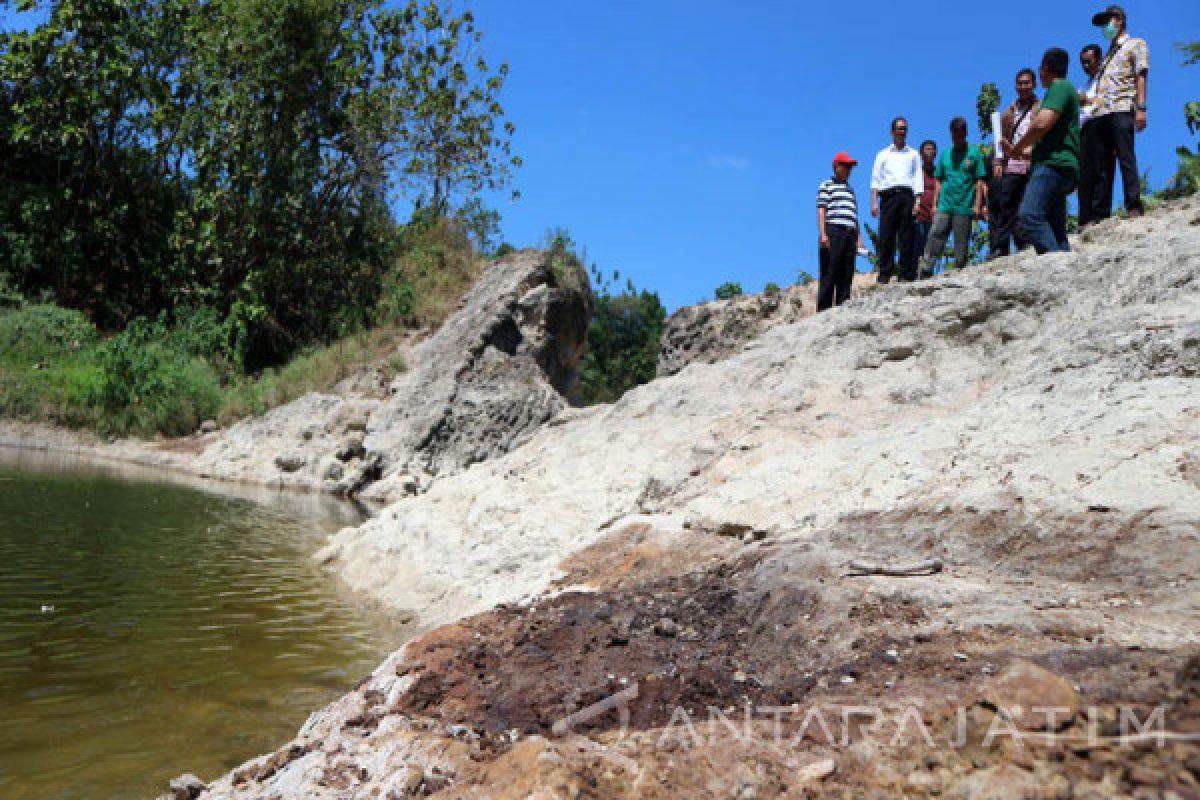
{"points": [[496, 371], [499, 368], [709, 332]]}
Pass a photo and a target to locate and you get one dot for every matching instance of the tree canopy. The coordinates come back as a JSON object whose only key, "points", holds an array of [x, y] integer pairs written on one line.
{"points": [[239, 155]]}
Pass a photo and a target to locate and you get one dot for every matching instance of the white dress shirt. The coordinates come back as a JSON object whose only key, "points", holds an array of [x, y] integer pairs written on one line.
{"points": [[1085, 112], [898, 169]]}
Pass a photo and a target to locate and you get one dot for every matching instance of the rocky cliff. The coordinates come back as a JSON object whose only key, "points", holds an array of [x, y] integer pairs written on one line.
{"points": [[709, 332], [498, 369], [948, 507]]}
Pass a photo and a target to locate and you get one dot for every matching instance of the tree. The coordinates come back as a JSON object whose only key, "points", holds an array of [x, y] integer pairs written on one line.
{"points": [[1186, 180], [87, 140], [623, 342], [986, 104], [238, 155], [450, 132], [289, 222], [1191, 52], [728, 290]]}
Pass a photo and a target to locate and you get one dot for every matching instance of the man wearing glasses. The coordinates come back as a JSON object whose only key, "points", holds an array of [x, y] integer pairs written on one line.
{"points": [[896, 183]]}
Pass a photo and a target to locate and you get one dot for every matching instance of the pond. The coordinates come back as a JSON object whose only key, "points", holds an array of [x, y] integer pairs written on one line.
{"points": [[149, 629]]}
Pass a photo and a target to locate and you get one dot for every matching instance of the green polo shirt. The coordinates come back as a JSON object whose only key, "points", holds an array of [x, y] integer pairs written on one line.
{"points": [[1060, 147], [958, 170]]}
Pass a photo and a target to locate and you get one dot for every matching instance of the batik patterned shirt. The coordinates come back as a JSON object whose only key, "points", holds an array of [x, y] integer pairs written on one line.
{"points": [[1117, 85]]}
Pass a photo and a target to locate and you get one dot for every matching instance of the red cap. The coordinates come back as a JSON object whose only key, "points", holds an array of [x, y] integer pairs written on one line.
{"points": [[844, 158]]}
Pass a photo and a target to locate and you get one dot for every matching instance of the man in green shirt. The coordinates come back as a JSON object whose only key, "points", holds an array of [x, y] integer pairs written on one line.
{"points": [[960, 173], [1054, 137]]}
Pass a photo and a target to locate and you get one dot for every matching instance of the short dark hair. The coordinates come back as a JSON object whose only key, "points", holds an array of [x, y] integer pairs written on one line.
{"points": [[897, 121], [1056, 62], [1027, 71], [929, 143], [958, 124], [1094, 49]]}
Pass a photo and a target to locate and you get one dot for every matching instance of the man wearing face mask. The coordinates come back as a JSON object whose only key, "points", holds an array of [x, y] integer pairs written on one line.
{"points": [[1119, 112]]}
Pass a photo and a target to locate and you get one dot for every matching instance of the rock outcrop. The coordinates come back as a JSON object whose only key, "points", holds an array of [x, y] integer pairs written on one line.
{"points": [[632, 572], [709, 332], [499, 368], [495, 372]]}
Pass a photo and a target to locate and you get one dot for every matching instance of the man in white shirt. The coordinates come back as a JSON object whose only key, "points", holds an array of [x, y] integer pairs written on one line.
{"points": [[896, 183]]}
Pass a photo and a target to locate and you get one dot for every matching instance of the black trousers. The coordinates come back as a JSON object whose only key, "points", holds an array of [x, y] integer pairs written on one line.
{"points": [[837, 266], [896, 222], [1094, 165], [1006, 208], [1116, 132]]}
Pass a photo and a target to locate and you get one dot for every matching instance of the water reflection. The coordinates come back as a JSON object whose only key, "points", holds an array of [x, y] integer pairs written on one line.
{"points": [[148, 629]]}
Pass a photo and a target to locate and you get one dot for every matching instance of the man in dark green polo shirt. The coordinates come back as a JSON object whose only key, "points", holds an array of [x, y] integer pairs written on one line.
{"points": [[1054, 137], [959, 199]]}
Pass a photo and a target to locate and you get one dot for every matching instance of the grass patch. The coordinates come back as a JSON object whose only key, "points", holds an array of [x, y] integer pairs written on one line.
{"points": [[316, 369]]}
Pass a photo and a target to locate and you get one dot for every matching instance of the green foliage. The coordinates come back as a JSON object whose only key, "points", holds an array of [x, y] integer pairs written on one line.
{"points": [[446, 113], [237, 155], [147, 383], [873, 237], [805, 277], [34, 333], [435, 265], [772, 288], [985, 105], [1191, 113], [1186, 180], [1191, 52], [728, 290], [567, 264], [623, 340], [9, 294]]}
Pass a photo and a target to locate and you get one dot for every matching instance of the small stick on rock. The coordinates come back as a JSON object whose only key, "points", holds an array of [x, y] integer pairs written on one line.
{"points": [[859, 569]]}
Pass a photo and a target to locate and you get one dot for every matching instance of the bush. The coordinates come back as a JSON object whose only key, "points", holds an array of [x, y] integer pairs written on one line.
{"points": [[10, 296], [772, 288], [728, 290], [146, 385], [35, 333], [436, 265]]}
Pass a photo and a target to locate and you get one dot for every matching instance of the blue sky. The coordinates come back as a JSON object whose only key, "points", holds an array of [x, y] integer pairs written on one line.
{"points": [[681, 141]]}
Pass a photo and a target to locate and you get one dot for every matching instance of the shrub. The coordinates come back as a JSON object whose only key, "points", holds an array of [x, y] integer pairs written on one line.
{"points": [[146, 385], [772, 288], [34, 333], [727, 290]]}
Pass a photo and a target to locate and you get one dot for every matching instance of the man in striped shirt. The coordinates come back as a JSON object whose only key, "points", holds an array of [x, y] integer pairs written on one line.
{"points": [[837, 225]]}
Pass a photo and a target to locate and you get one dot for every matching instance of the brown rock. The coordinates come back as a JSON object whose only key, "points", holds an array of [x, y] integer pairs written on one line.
{"points": [[1035, 699], [1058, 788], [1144, 776], [998, 783]]}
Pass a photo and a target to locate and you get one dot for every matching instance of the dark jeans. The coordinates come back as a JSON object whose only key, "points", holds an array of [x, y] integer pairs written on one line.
{"points": [[1094, 166], [1044, 210], [1005, 209], [1116, 133], [997, 243], [837, 266], [896, 222]]}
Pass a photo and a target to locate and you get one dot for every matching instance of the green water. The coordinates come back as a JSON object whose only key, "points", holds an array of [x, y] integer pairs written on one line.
{"points": [[149, 629]]}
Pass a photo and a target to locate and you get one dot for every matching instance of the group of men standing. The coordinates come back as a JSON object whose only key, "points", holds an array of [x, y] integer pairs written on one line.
{"points": [[1045, 149]]}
